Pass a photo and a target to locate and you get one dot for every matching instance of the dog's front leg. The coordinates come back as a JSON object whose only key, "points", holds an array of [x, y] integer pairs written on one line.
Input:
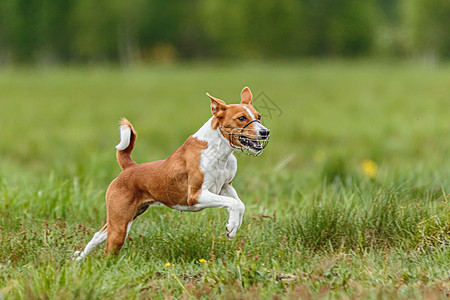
{"points": [[229, 191], [234, 206]]}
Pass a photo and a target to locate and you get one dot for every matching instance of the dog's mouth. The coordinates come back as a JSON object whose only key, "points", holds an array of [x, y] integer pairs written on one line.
{"points": [[250, 141], [250, 144]]}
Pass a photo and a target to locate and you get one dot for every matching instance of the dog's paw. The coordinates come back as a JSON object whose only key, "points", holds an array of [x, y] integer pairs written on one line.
{"points": [[232, 228], [235, 220], [77, 255]]}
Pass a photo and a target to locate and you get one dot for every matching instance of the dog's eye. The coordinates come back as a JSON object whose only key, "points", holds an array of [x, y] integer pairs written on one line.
{"points": [[243, 118], [259, 117]]}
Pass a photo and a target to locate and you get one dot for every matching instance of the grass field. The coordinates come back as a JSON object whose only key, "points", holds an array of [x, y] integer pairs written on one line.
{"points": [[349, 200]]}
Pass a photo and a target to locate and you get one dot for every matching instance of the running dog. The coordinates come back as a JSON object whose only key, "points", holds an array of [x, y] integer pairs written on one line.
{"points": [[196, 176]]}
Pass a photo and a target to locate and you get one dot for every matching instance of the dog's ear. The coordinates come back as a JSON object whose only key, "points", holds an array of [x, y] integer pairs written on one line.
{"points": [[218, 106], [246, 96]]}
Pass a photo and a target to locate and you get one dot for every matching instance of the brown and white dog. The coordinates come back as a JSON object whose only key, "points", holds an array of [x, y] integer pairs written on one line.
{"points": [[197, 175]]}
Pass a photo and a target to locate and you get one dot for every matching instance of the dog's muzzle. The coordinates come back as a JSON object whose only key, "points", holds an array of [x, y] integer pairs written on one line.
{"points": [[250, 141]]}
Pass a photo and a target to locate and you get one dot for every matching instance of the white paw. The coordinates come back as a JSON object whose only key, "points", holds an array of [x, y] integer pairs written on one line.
{"points": [[77, 255], [235, 219], [232, 228]]}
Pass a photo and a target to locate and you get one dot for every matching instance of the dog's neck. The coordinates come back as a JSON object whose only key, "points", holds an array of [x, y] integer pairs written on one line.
{"points": [[219, 148]]}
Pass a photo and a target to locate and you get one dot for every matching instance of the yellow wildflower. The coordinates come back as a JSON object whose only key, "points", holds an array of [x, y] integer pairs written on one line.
{"points": [[167, 265], [202, 260], [369, 168]]}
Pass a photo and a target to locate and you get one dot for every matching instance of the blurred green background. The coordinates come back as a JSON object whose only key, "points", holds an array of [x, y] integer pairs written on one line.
{"points": [[140, 31]]}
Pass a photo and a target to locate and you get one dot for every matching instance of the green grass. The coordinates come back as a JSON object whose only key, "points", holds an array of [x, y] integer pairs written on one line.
{"points": [[316, 225]]}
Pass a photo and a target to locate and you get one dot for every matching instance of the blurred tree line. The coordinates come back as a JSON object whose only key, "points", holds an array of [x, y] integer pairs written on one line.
{"points": [[132, 31]]}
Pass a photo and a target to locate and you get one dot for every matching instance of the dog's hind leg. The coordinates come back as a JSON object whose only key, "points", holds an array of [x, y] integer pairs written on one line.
{"points": [[98, 239], [122, 208], [117, 233]]}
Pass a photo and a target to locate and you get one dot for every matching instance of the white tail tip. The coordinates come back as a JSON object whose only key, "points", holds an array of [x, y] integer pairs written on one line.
{"points": [[125, 135]]}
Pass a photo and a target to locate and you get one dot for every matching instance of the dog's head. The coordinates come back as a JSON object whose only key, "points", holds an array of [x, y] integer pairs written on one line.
{"points": [[240, 124]]}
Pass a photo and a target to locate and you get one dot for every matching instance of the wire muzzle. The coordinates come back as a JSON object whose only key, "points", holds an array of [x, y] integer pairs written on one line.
{"points": [[249, 141]]}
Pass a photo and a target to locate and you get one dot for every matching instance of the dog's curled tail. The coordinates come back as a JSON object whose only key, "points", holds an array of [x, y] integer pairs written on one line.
{"points": [[126, 145]]}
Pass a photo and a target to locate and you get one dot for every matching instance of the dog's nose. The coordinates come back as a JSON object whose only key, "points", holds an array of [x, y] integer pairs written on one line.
{"points": [[264, 133]]}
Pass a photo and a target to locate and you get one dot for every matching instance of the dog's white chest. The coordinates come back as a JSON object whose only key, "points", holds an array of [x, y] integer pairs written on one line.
{"points": [[217, 173], [217, 161]]}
